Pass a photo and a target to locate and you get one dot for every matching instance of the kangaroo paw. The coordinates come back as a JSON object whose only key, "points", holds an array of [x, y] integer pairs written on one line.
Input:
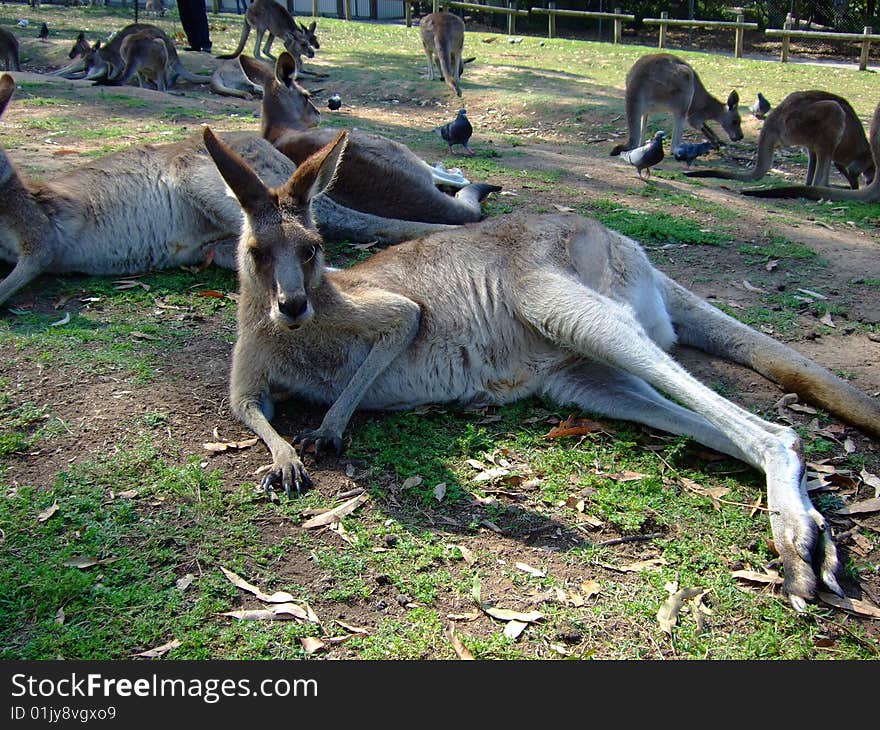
{"points": [[290, 473], [321, 440]]}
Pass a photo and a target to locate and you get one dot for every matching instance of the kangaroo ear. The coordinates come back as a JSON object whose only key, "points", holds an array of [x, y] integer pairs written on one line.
{"points": [[253, 195], [97, 46], [317, 172], [255, 70], [285, 68], [732, 100], [7, 87], [312, 26]]}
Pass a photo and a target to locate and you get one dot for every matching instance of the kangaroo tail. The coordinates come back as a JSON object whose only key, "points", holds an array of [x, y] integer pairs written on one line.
{"points": [[444, 56], [749, 176], [869, 194], [181, 72], [474, 194], [245, 32], [707, 328], [218, 88]]}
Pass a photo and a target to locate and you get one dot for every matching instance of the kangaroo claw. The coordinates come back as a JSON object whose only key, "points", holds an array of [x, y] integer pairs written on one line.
{"points": [[321, 440]]}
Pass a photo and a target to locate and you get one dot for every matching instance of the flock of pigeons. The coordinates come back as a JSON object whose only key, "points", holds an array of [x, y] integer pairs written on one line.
{"points": [[651, 153]]}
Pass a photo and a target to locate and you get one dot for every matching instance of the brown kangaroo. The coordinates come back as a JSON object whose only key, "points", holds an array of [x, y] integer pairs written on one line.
{"points": [[383, 190], [443, 41], [229, 79], [555, 306], [267, 16], [822, 122], [143, 208], [868, 194], [661, 81], [9, 50], [145, 57]]}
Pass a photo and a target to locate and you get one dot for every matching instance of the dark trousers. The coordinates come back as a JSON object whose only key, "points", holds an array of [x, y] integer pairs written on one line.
{"points": [[194, 19]]}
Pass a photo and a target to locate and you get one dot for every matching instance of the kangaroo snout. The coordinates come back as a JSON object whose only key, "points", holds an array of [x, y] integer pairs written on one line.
{"points": [[293, 309]]}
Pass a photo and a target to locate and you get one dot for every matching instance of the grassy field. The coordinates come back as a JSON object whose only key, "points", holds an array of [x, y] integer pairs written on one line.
{"points": [[116, 520]]}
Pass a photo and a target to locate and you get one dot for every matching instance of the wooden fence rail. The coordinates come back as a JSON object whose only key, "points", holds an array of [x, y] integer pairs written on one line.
{"points": [[787, 34], [552, 12], [739, 26]]}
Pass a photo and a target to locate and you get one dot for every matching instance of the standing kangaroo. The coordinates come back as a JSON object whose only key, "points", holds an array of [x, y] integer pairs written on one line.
{"points": [[661, 81], [267, 16], [555, 306], [9, 50], [143, 208], [822, 122], [868, 194], [382, 191], [443, 40]]}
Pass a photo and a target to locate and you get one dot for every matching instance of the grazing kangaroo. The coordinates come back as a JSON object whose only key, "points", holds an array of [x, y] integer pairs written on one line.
{"points": [[556, 306], [443, 41], [145, 57], [229, 79], [143, 208], [868, 194], [267, 16], [9, 50], [822, 122], [383, 191], [661, 81]]}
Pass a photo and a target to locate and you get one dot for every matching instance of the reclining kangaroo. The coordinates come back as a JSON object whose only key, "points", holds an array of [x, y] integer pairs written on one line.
{"points": [[443, 40], [145, 57], [661, 81], [822, 122], [76, 69], [383, 190], [868, 194], [9, 50], [229, 79], [267, 16], [555, 306], [139, 209]]}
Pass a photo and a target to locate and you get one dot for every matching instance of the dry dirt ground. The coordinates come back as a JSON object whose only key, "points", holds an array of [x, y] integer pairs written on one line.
{"points": [[99, 410]]}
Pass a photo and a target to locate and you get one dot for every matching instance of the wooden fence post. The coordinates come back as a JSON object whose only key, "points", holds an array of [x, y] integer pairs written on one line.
{"points": [[347, 4], [551, 21], [511, 18], [289, 6], [315, 9], [618, 26], [866, 46], [785, 39], [738, 40], [436, 6], [662, 43], [407, 13]]}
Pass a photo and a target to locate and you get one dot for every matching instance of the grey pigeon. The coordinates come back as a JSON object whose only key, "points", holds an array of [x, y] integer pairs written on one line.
{"points": [[646, 156], [334, 102], [458, 131], [44, 32], [688, 152], [761, 107]]}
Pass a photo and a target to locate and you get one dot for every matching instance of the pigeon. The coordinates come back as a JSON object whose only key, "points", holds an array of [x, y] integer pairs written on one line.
{"points": [[334, 102], [646, 156], [760, 107], [458, 131], [44, 32], [687, 152]]}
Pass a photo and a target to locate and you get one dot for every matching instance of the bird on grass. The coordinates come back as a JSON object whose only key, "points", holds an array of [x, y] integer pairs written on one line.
{"points": [[458, 131], [761, 107], [646, 156], [687, 152], [334, 102], [44, 32]]}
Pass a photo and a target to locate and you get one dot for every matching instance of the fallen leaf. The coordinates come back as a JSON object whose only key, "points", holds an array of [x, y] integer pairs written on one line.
{"points": [[466, 554], [338, 528], [82, 562], [184, 582], [159, 650], [752, 576], [491, 474], [478, 465], [872, 480], [460, 649], [48, 512], [352, 629], [236, 580], [279, 612], [751, 287], [563, 208], [573, 426], [811, 293], [530, 570], [60, 616], [713, 493], [590, 588], [337, 512], [625, 476], [312, 644], [652, 565], [803, 409], [213, 293], [64, 320], [411, 482], [220, 446], [127, 494], [667, 615], [440, 491], [827, 321], [506, 614], [859, 508], [514, 628], [771, 265], [862, 608]]}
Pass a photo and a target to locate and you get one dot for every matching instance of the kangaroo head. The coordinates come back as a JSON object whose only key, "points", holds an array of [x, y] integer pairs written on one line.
{"points": [[280, 256], [730, 120], [309, 33], [297, 43], [286, 105], [81, 46]]}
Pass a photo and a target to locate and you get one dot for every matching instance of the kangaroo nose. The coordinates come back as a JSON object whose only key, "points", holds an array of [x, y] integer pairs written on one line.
{"points": [[293, 307]]}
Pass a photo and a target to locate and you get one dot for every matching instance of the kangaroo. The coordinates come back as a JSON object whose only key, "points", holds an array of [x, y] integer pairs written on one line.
{"points": [[822, 122], [145, 57], [104, 64], [9, 50], [556, 306], [383, 190], [443, 41], [229, 79], [76, 69], [661, 81], [868, 194], [156, 8], [267, 16], [143, 208]]}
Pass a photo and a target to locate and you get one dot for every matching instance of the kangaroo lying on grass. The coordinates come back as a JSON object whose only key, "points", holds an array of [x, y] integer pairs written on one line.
{"points": [[145, 57], [442, 36], [868, 194], [143, 208], [555, 306], [822, 122], [661, 81], [229, 79], [383, 190], [9, 50]]}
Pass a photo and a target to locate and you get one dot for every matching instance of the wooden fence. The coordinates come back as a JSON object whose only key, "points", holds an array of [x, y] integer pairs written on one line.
{"points": [[786, 33], [739, 27], [551, 12]]}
